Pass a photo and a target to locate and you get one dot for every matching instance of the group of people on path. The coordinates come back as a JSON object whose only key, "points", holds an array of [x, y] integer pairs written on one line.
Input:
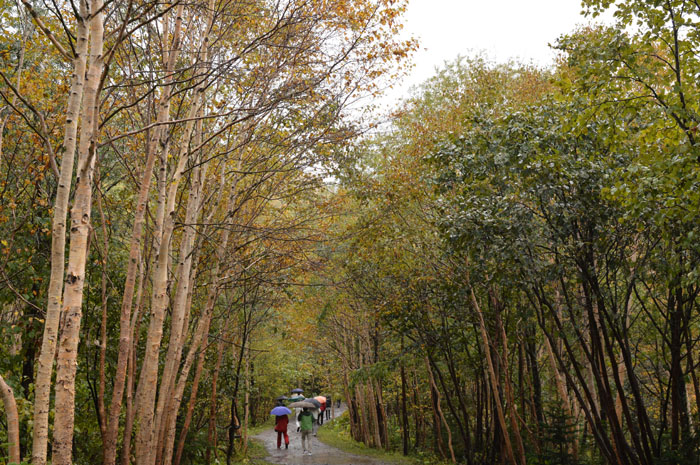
{"points": [[306, 418]]}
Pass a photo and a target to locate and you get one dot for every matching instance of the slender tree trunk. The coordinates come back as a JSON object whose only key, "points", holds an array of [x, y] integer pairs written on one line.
{"points": [[42, 383], [246, 405], [677, 380], [190, 405], [232, 430], [211, 431], [200, 339], [374, 417], [384, 421], [125, 328], [431, 378], [8, 399], [194, 205], [494, 379], [436, 373], [103, 322], [146, 436], [417, 418], [179, 314], [691, 368], [480, 421], [362, 407], [513, 414], [134, 337], [404, 412], [196, 346], [352, 414], [437, 425], [80, 231], [561, 388]]}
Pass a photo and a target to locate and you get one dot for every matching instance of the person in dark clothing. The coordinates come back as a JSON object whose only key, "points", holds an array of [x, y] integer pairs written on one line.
{"points": [[329, 404], [321, 414], [281, 422]]}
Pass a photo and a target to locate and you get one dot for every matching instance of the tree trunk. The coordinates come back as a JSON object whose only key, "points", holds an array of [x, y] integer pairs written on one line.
{"points": [[146, 436], [8, 399], [179, 314], [42, 383], [246, 405], [211, 431], [508, 388], [384, 421], [131, 370], [494, 379], [352, 414], [201, 339], [561, 388], [77, 257], [404, 412], [374, 417], [362, 420], [431, 378], [103, 322], [190, 405], [125, 328], [173, 407], [438, 447]]}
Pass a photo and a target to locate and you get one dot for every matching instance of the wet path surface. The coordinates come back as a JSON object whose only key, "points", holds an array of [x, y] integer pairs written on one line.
{"points": [[321, 453]]}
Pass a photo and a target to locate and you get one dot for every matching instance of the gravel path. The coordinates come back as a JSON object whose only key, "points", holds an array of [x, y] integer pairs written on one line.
{"points": [[321, 453]]}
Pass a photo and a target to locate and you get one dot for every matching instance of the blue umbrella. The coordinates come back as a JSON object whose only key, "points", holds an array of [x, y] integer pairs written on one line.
{"points": [[280, 410], [297, 391]]}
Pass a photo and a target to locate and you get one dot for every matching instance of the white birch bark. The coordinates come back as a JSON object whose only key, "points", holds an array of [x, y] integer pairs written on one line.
{"points": [[8, 399], [42, 383], [80, 231], [179, 307], [125, 326], [199, 339], [146, 434]]}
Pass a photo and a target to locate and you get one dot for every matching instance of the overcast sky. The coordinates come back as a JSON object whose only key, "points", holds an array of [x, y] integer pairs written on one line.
{"points": [[504, 29]]}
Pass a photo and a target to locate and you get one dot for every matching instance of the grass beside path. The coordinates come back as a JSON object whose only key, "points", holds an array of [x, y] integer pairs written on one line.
{"points": [[335, 434], [256, 448], [256, 453]]}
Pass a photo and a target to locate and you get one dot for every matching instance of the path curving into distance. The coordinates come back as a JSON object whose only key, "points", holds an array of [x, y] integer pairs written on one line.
{"points": [[322, 454]]}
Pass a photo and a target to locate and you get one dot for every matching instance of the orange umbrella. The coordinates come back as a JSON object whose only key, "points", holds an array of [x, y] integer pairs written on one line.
{"points": [[320, 399]]}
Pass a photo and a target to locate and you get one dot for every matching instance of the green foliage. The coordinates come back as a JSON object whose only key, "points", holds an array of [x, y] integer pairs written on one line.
{"points": [[336, 434], [558, 435]]}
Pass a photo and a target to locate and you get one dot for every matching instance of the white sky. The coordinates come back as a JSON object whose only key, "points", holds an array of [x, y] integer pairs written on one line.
{"points": [[503, 29]]}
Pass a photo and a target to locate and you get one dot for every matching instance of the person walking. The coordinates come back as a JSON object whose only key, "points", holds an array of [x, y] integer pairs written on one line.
{"points": [[329, 407], [321, 413], [297, 395], [306, 420], [281, 422], [315, 412]]}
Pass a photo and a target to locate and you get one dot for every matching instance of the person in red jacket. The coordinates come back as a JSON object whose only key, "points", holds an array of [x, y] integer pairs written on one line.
{"points": [[281, 422], [320, 416]]}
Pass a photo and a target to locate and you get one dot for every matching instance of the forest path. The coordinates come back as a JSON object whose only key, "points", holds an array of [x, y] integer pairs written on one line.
{"points": [[322, 454]]}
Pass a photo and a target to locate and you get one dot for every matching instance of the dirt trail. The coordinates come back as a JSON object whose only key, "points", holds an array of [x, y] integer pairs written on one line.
{"points": [[321, 453]]}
